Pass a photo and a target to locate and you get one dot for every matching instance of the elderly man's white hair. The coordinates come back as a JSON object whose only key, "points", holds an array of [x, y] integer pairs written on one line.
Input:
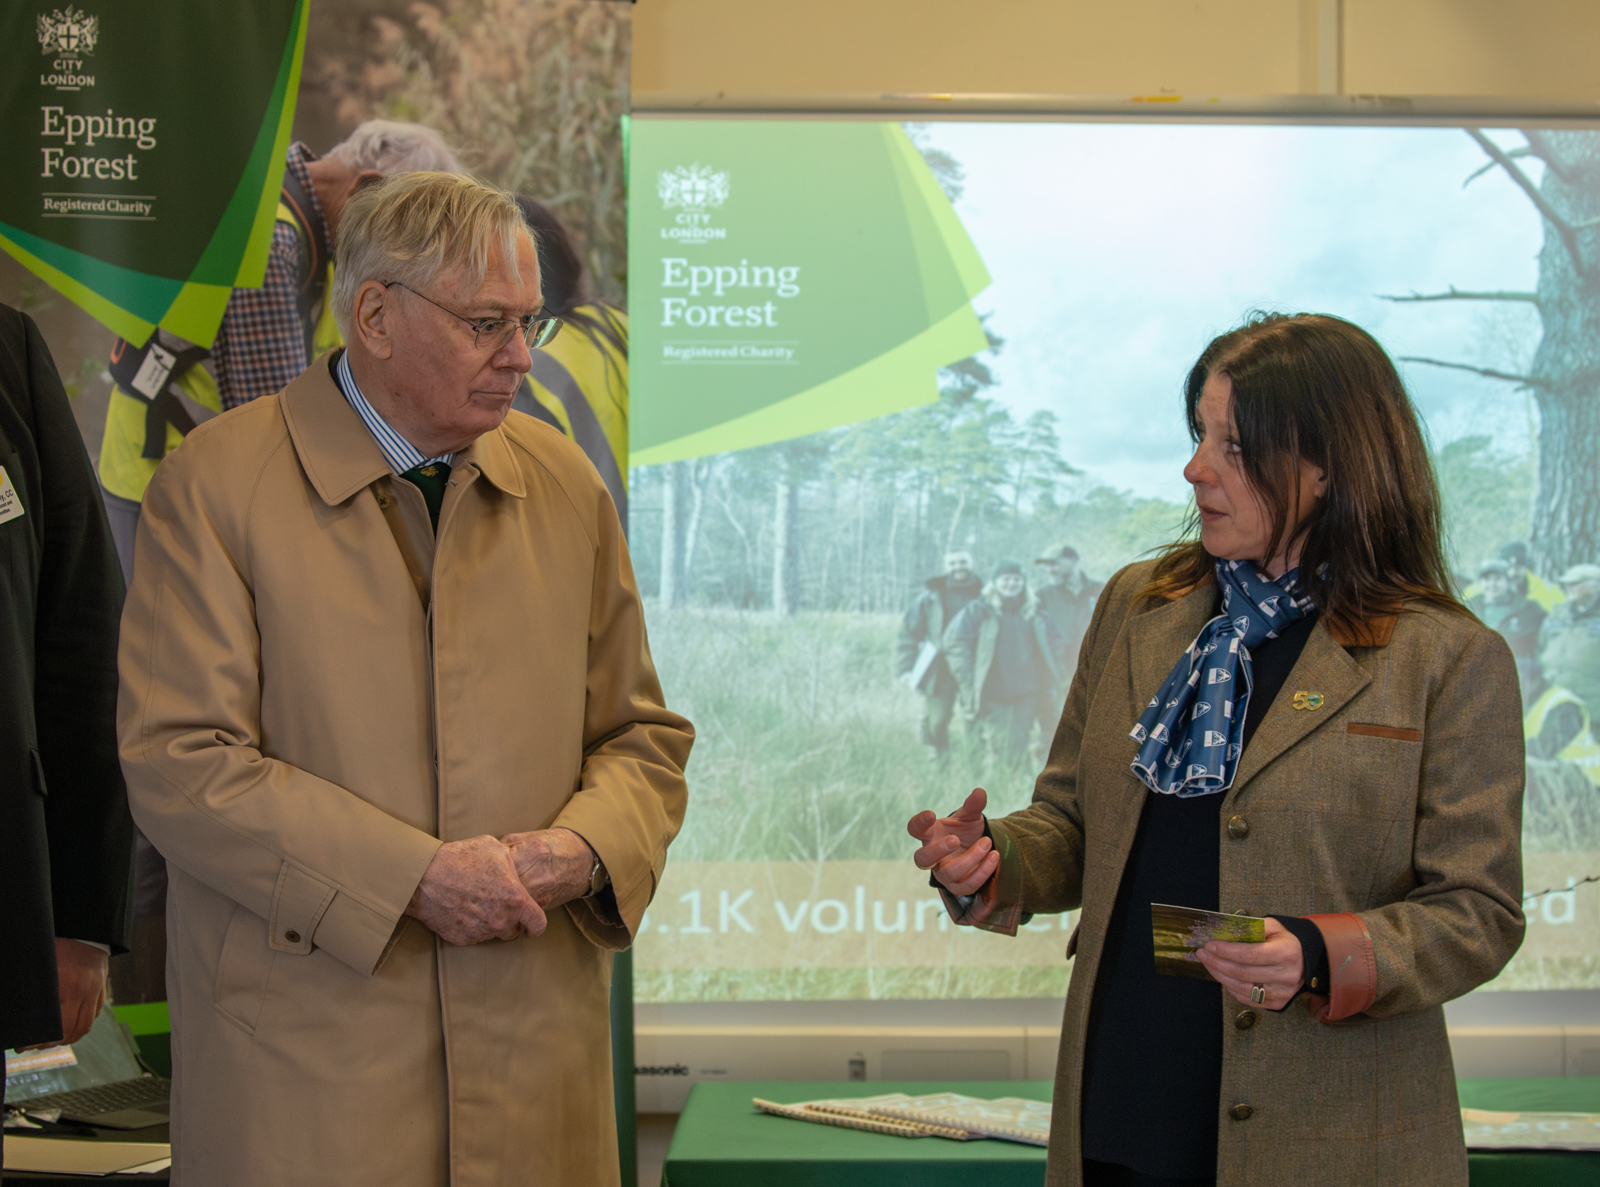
{"points": [[410, 227], [390, 146]]}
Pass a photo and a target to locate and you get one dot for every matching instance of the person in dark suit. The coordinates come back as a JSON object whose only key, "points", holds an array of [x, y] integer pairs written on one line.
{"points": [[66, 838]]}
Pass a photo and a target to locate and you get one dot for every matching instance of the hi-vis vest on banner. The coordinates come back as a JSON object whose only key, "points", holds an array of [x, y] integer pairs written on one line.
{"points": [[160, 392], [579, 384], [1583, 750]]}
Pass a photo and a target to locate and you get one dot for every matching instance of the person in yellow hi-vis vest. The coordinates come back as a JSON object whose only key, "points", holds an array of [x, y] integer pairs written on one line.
{"points": [[579, 382], [269, 334], [1558, 727]]}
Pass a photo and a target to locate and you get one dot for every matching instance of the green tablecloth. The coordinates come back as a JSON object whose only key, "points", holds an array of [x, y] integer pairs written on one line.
{"points": [[1531, 1168], [723, 1141]]}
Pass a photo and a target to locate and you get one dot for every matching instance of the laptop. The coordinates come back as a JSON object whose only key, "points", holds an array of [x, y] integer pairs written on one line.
{"points": [[96, 1081]]}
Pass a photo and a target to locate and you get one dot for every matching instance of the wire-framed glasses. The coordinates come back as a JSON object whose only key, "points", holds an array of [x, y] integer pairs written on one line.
{"points": [[494, 333]]}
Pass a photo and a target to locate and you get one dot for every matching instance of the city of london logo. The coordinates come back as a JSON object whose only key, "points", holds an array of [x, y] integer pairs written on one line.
{"points": [[69, 34], [692, 187], [67, 37]]}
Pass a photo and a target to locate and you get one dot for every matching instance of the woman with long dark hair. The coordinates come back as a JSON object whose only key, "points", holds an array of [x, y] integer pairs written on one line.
{"points": [[579, 382], [1287, 714]]}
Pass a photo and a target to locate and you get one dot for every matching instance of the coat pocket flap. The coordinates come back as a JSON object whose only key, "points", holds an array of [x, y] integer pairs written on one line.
{"points": [[1384, 731], [298, 904]]}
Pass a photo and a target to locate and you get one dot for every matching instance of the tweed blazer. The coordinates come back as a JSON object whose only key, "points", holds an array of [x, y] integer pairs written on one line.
{"points": [[1392, 811]]}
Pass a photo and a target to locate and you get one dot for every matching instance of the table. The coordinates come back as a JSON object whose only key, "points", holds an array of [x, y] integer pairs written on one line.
{"points": [[723, 1141], [1534, 1168], [155, 1133]]}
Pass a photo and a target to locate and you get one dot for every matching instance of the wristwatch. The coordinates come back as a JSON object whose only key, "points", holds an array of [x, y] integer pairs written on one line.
{"points": [[598, 878]]}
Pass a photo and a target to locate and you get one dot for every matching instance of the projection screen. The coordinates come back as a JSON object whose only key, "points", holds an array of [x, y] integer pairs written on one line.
{"points": [[860, 346]]}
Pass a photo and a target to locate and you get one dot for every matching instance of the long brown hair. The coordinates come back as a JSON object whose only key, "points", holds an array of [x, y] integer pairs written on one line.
{"points": [[1314, 387]]}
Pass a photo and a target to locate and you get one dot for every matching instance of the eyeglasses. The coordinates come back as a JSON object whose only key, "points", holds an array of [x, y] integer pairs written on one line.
{"points": [[495, 333]]}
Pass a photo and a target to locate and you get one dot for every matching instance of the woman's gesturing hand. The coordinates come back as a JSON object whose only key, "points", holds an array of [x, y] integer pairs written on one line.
{"points": [[1277, 964], [954, 846]]}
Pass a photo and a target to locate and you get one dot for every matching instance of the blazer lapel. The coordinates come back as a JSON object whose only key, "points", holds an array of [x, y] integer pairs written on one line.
{"points": [[1158, 638], [1323, 667]]}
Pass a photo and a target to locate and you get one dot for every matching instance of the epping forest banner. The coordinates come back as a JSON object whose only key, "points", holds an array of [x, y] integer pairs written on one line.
{"points": [[144, 148], [859, 345], [788, 278]]}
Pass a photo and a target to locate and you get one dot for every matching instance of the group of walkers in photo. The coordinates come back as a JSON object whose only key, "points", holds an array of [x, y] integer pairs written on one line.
{"points": [[995, 656], [1002, 651]]}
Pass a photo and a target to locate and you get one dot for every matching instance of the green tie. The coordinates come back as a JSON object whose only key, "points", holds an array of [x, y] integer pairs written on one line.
{"points": [[430, 478]]}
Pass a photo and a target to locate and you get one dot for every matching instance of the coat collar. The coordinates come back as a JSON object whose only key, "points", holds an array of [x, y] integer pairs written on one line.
{"points": [[490, 454], [1159, 637], [1373, 631], [339, 455]]}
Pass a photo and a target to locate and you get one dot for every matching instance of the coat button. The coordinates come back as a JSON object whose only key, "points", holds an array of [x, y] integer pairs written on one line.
{"points": [[1238, 828], [292, 936], [1245, 1019], [1241, 1112]]}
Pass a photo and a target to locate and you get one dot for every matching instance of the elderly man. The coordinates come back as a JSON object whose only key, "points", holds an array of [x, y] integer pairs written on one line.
{"points": [[388, 710]]}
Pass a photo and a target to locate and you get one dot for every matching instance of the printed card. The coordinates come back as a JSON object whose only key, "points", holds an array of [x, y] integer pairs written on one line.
{"points": [[1179, 932]]}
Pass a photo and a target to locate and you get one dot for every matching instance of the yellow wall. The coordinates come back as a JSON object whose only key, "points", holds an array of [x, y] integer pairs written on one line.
{"points": [[1533, 49]]}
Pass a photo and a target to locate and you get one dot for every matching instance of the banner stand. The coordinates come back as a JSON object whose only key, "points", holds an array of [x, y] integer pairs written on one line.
{"points": [[622, 1082]]}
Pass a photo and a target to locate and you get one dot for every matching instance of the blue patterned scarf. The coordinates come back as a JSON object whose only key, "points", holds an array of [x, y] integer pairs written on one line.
{"points": [[1192, 732]]}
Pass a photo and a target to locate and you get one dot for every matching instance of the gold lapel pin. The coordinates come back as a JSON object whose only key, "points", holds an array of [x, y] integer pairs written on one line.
{"points": [[1308, 700]]}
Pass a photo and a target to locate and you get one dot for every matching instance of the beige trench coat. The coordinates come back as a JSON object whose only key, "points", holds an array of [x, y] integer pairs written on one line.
{"points": [[313, 696], [1395, 806]]}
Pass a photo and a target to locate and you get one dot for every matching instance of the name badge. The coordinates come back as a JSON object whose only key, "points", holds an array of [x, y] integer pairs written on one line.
{"points": [[153, 372], [10, 502]]}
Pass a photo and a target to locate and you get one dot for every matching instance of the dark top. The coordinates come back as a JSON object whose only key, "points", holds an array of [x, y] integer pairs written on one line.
{"points": [[1017, 671], [1152, 1067], [953, 598], [930, 612], [66, 839], [1071, 612]]}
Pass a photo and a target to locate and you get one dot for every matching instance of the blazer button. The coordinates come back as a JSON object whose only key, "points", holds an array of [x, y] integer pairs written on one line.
{"points": [[1245, 1019], [1238, 828], [1241, 1112], [292, 936]]}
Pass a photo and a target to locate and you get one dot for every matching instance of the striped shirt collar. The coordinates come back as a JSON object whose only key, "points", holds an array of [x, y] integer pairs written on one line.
{"points": [[397, 451]]}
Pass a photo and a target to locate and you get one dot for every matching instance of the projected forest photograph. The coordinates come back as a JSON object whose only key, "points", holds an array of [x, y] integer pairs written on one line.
{"points": [[822, 607]]}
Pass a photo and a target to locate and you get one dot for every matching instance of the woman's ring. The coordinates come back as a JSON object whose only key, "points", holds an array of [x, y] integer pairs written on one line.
{"points": [[1258, 995]]}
